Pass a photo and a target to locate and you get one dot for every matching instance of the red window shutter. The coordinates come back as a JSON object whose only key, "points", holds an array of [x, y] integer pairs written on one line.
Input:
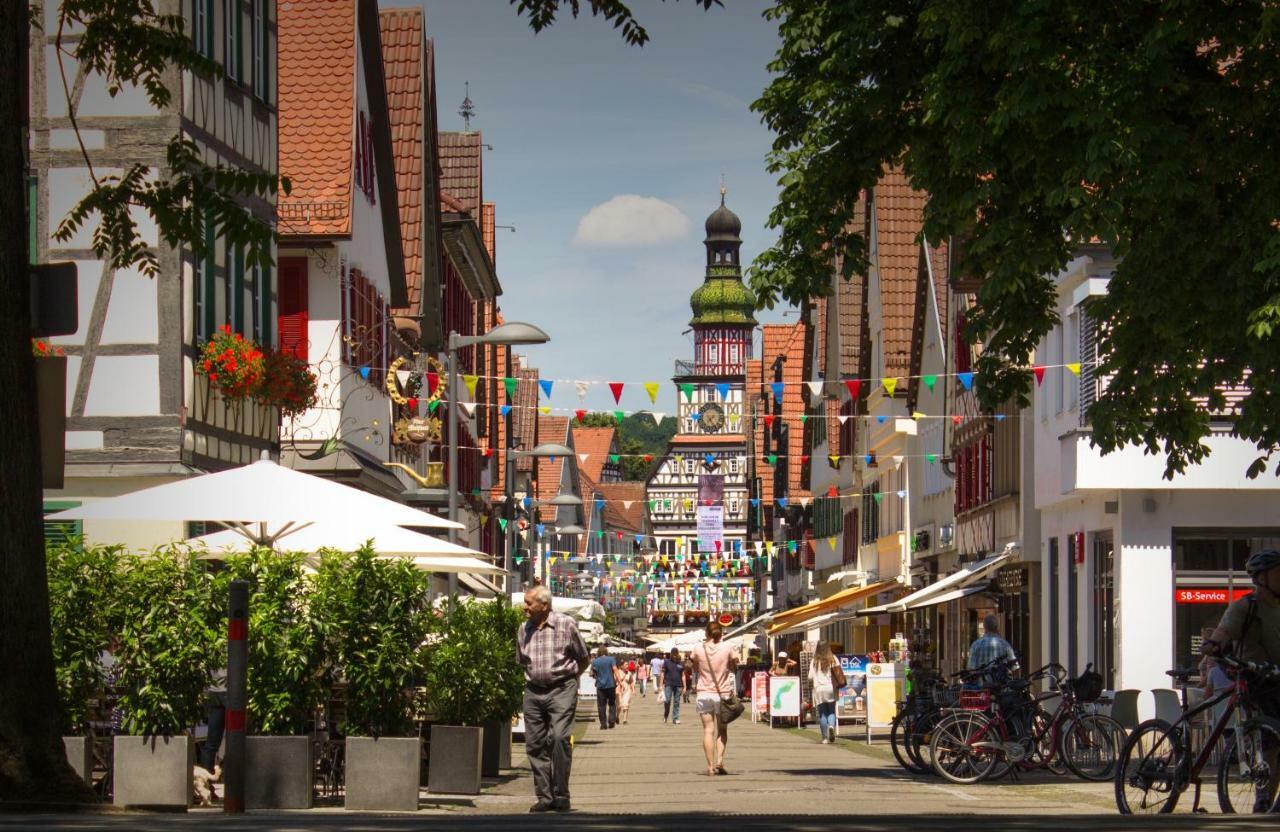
{"points": [[292, 321], [963, 359]]}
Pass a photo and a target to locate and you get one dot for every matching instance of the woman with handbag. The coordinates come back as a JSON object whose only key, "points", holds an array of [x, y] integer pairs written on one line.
{"points": [[825, 680], [717, 702]]}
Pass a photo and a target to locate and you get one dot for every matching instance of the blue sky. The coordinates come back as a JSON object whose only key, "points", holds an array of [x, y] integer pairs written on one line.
{"points": [[576, 119]]}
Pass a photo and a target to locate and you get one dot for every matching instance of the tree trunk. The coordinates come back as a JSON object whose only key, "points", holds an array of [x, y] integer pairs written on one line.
{"points": [[33, 764]]}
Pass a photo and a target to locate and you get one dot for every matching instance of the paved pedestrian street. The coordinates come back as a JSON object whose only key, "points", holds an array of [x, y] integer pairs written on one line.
{"points": [[645, 776]]}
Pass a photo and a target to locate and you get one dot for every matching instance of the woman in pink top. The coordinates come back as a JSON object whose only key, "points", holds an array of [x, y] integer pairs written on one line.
{"points": [[715, 663]]}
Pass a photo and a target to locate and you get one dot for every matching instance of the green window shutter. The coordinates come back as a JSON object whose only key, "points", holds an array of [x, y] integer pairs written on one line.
{"points": [[264, 300], [33, 201], [261, 51], [237, 290], [61, 531]]}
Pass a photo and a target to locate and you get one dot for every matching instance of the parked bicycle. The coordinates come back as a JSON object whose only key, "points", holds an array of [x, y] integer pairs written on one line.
{"points": [[1001, 728], [1158, 762]]}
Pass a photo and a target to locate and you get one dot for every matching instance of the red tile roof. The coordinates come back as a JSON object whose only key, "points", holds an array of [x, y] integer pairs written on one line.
{"points": [[404, 66], [851, 309], [461, 169], [786, 340], [620, 517], [525, 422], [449, 202], [597, 443], [317, 80], [488, 229], [550, 470], [899, 212]]}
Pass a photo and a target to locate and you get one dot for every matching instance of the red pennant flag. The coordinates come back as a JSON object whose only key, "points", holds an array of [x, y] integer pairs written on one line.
{"points": [[581, 414], [412, 401], [648, 457], [855, 387], [433, 381], [619, 535], [616, 388], [832, 492], [717, 547], [488, 452], [1039, 371], [804, 458], [768, 420], [957, 419]]}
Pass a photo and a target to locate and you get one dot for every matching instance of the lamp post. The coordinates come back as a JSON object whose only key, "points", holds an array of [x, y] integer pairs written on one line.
{"points": [[547, 450], [508, 334], [572, 529]]}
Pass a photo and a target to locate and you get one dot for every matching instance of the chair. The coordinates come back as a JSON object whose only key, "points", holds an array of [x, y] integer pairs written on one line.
{"points": [[1168, 705], [1124, 708]]}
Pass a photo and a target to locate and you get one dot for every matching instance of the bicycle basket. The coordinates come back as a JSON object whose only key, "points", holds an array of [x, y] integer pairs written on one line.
{"points": [[975, 700], [1088, 686]]}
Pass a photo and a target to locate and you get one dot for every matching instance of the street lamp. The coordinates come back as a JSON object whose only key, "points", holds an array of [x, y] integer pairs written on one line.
{"points": [[572, 529], [510, 334], [547, 450]]}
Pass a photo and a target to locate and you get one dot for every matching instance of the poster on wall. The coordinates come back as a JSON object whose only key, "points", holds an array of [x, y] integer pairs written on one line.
{"points": [[710, 512], [852, 703], [784, 697]]}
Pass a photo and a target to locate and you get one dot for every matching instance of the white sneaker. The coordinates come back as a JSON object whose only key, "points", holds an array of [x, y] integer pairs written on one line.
{"points": [[675, 721]]}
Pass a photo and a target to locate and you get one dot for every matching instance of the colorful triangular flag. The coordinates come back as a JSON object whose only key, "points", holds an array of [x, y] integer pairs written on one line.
{"points": [[618, 416], [545, 410], [433, 383], [1074, 368], [546, 385], [777, 390], [510, 385], [966, 379], [504, 410], [815, 388], [651, 387], [1039, 374], [615, 387], [687, 389], [854, 386], [470, 382], [890, 384], [657, 417], [930, 381], [723, 389]]}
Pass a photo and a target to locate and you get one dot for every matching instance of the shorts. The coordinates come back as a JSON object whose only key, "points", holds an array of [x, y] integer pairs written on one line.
{"points": [[708, 703]]}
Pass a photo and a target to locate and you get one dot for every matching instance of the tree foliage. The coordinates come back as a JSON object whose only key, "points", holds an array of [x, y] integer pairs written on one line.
{"points": [[1034, 126], [472, 673], [637, 435], [542, 14]]}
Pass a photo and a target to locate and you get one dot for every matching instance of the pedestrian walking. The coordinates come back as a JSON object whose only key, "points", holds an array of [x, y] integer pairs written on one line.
{"points": [[605, 670], [626, 689], [655, 673], [642, 676], [824, 674], [713, 665], [553, 655], [688, 681], [672, 686]]}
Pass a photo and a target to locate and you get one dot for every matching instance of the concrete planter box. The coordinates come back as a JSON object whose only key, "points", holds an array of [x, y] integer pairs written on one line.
{"points": [[383, 774], [278, 773], [455, 759], [154, 771], [80, 755], [497, 747]]}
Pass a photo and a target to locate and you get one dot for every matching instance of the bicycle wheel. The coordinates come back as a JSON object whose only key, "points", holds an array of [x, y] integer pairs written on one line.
{"points": [[918, 741], [953, 746], [1148, 774], [1090, 745], [1246, 770], [900, 733]]}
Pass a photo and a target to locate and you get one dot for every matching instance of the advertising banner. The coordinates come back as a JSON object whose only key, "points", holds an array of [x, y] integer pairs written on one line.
{"points": [[759, 694], [784, 696], [852, 703], [710, 512]]}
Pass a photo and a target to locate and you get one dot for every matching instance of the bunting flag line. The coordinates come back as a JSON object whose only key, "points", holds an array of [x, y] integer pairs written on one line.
{"points": [[546, 385], [509, 384], [1039, 374], [580, 414], [854, 387], [815, 388], [615, 387], [504, 410], [651, 387], [966, 379], [581, 387], [929, 381], [890, 384], [723, 389], [433, 383], [777, 390], [470, 382], [687, 389]]}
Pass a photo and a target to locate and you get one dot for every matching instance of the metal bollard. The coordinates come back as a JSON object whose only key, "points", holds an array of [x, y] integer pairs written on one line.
{"points": [[233, 761]]}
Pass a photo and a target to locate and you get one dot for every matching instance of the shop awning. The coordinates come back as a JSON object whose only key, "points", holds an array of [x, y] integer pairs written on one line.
{"points": [[968, 574], [785, 629], [803, 617], [953, 595], [748, 626]]}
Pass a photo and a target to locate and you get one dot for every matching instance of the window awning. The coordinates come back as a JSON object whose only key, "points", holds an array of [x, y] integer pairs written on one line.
{"points": [[953, 595], [967, 575], [790, 619], [747, 626], [800, 626]]}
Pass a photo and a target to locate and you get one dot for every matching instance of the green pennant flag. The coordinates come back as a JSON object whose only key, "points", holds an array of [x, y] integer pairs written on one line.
{"points": [[600, 533], [687, 389], [804, 417], [930, 381], [510, 384], [653, 505], [502, 523], [431, 408], [619, 415], [931, 457], [772, 459], [878, 496], [614, 458], [475, 492]]}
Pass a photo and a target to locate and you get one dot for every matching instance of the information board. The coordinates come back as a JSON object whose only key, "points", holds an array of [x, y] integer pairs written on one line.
{"points": [[759, 694], [852, 703], [784, 697]]}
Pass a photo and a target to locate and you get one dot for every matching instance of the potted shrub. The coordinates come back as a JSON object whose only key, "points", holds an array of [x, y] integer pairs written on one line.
{"points": [[284, 683], [288, 383], [373, 616], [84, 584], [169, 641], [472, 679]]}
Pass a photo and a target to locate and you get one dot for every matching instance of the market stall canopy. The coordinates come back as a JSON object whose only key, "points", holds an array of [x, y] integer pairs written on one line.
{"points": [[263, 502], [801, 625], [968, 574], [800, 618], [387, 541]]}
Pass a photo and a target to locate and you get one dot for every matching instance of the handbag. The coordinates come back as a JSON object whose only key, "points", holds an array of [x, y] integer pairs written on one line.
{"points": [[731, 706], [838, 679]]}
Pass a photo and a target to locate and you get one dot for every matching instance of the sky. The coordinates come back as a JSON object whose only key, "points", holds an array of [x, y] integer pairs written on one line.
{"points": [[607, 159]]}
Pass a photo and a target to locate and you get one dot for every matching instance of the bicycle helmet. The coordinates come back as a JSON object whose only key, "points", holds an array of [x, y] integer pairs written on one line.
{"points": [[1262, 561]]}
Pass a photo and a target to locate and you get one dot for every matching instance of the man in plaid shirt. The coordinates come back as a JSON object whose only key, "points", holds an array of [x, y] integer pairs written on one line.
{"points": [[990, 646], [553, 655]]}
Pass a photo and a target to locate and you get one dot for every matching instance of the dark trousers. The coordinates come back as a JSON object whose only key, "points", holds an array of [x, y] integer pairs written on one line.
{"points": [[548, 728], [216, 716], [607, 706], [671, 705]]}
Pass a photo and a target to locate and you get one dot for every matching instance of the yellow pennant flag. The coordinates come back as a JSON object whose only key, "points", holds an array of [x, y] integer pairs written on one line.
{"points": [[890, 384], [1074, 368], [470, 381], [835, 460], [544, 410], [831, 541], [651, 387], [917, 415]]}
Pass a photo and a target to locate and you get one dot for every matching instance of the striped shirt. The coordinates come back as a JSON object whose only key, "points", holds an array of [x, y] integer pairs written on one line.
{"points": [[987, 649], [552, 653]]}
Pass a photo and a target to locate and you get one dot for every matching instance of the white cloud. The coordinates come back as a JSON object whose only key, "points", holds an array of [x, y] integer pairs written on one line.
{"points": [[631, 220]]}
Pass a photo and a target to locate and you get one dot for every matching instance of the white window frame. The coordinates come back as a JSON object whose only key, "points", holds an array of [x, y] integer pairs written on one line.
{"points": [[260, 58], [232, 40]]}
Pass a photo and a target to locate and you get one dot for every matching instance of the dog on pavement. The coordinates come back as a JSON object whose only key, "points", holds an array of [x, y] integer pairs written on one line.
{"points": [[202, 781]]}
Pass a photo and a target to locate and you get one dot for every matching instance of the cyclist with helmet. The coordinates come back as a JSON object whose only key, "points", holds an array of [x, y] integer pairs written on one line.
{"points": [[1252, 623]]}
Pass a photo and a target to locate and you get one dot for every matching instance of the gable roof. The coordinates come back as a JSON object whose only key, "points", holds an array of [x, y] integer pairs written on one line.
{"points": [[787, 341], [899, 215], [461, 169], [932, 265], [525, 410], [550, 470], [619, 516], [596, 443]]}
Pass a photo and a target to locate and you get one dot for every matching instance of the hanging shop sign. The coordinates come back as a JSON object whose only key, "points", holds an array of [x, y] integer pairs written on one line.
{"points": [[1208, 595], [1012, 579]]}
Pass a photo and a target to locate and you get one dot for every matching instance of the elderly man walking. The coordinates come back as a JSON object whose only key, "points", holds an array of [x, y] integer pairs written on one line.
{"points": [[553, 655]]}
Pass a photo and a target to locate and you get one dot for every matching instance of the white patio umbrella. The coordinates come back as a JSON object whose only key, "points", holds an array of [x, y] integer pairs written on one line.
{"points": [[687, 641], [263, 502], [583, 608]]}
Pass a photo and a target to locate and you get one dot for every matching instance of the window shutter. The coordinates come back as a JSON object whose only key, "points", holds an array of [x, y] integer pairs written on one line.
{"points": [[264, 301], [1088, 355], [964, 358], [61, 531], [237, 290], [293, 307]]}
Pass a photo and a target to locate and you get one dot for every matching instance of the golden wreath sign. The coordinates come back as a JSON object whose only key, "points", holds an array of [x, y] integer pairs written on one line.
{"points": [[416, 429]]}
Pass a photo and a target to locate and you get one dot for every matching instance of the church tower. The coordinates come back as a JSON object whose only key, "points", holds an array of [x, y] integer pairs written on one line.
{"points": [[698, 495]]}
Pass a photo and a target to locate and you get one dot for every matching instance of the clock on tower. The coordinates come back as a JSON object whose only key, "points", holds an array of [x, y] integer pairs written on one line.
{"points": [[711, 417]]}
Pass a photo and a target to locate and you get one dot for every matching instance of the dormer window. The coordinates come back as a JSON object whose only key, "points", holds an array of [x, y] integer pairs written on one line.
{"points": [[365, 176]]}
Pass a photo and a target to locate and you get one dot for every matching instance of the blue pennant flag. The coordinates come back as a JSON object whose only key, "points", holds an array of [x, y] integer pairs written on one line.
{"points": [[755, 502], [545, 384], [777, 390], [364, 373], [505, 409], [639, 539], [868, 457], [723, 389], [966, 379], [737, 546], [999, 417], [541, 529], [710, 458], [881, 419], [528, 502], [782, 501], [695, 415], [600, 505]]}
